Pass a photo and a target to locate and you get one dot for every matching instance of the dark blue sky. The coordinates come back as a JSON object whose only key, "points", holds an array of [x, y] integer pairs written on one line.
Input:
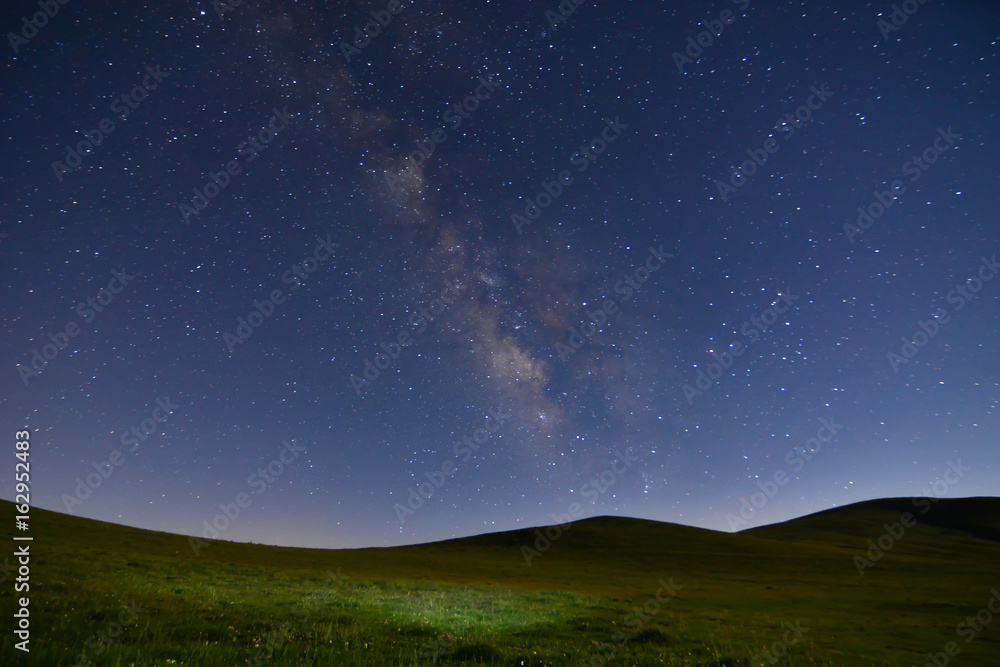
{"points": [[212, 223]]}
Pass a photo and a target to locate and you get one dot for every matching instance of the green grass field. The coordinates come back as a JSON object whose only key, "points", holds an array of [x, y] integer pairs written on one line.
{"points": [[104, 594]]}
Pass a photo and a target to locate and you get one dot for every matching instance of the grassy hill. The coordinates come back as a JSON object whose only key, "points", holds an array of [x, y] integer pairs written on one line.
{"points": [[105, 594]]}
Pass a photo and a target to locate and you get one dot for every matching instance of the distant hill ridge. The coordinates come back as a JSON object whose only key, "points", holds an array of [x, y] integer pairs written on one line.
{"points": [[977, 517]]}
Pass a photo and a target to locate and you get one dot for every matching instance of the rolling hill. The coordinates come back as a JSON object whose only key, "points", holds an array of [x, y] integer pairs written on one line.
{"points": [[601, 590]]}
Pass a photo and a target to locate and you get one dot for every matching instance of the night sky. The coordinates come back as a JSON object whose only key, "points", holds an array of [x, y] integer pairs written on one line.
{"points": [[498, 254]]}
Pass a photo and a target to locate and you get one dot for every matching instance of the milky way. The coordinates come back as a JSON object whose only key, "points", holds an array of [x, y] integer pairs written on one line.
{"points": [[515, 242]]}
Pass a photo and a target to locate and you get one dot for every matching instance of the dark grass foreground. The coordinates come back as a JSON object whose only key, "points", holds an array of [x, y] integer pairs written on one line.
{"points": [[787, 594]]}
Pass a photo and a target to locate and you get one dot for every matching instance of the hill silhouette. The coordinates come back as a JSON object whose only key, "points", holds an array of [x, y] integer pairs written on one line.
{"points": [[541, 596]]}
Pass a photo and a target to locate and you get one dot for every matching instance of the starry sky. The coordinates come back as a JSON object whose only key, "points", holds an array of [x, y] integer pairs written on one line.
{"points": [[380, 273]]}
